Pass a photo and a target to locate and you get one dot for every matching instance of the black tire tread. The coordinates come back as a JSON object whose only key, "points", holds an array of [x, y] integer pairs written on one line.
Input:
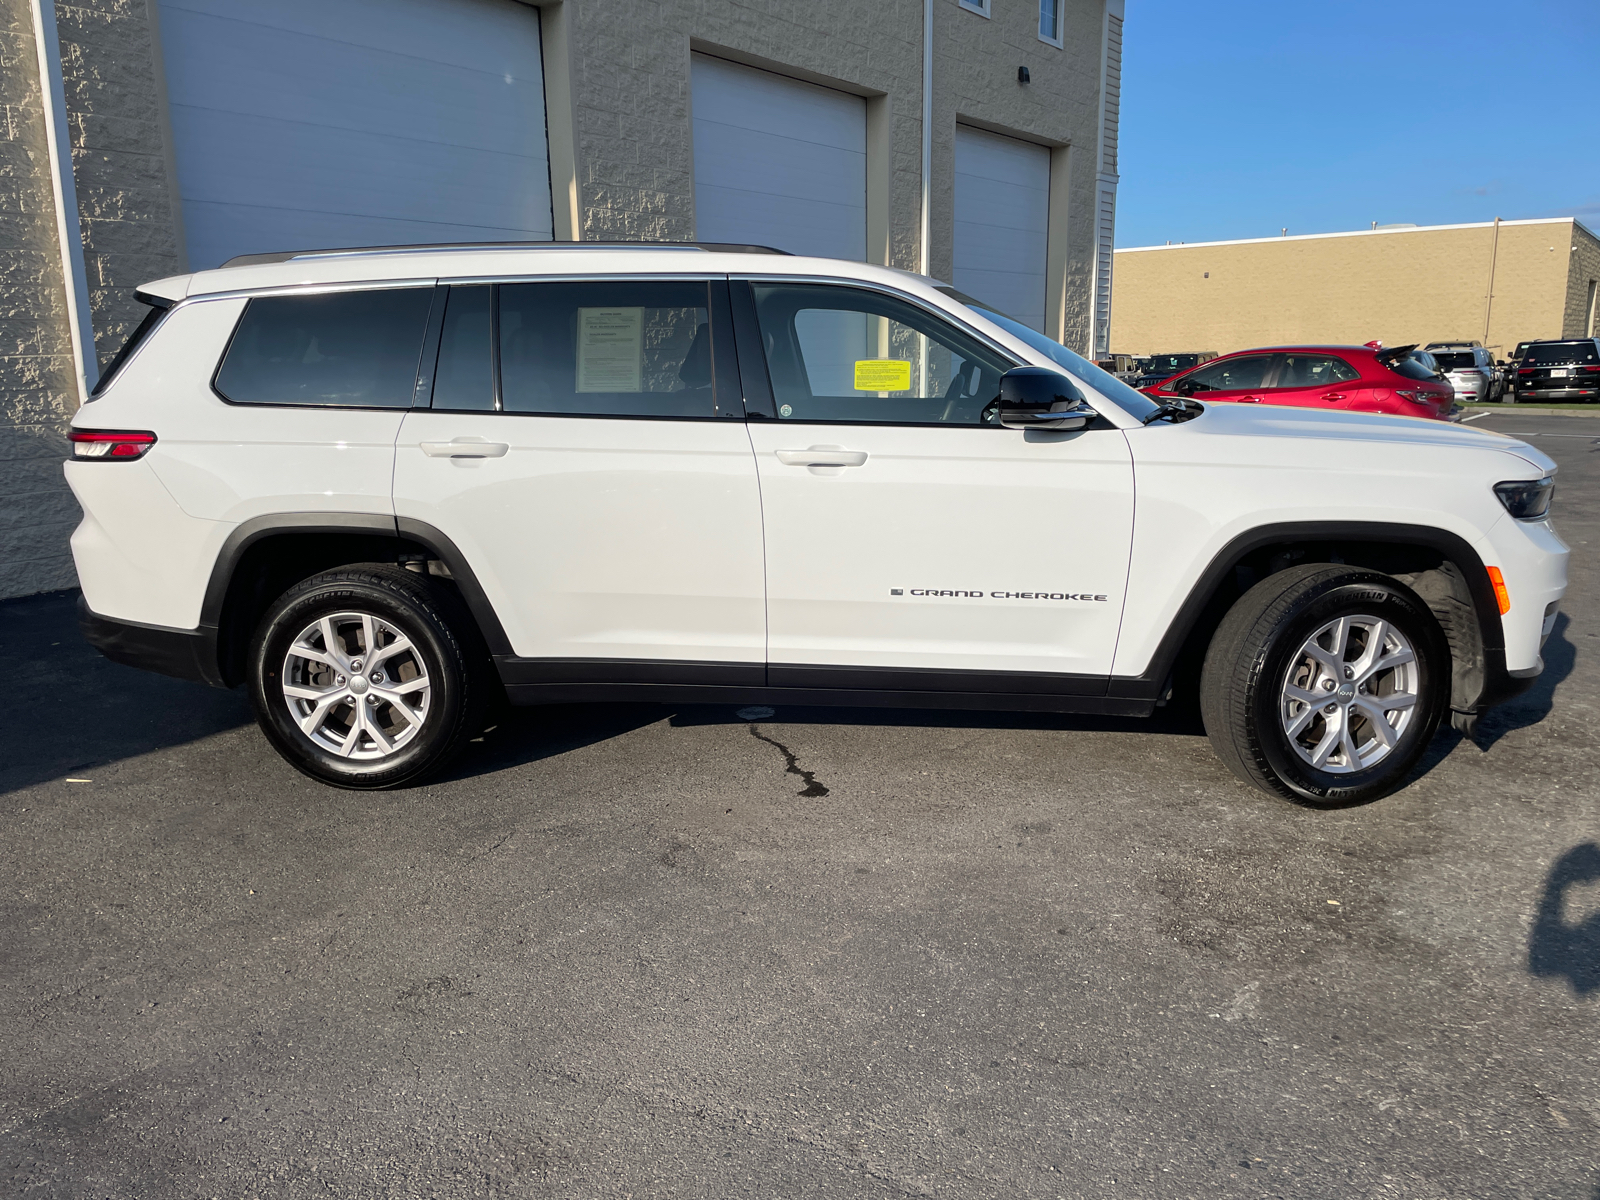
{"points": [[455, 628], [1232, 673]]}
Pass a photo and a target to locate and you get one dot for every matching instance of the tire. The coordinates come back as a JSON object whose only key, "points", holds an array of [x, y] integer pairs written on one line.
{"points": [[1306, 632], [315, 707]]}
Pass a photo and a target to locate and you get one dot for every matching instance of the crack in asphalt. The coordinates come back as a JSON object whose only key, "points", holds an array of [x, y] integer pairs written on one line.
{"points": [[792, 764]]}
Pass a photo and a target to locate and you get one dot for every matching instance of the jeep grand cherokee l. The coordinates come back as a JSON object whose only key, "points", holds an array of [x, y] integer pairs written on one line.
{"points": [[382, 489], [1559, 370]]}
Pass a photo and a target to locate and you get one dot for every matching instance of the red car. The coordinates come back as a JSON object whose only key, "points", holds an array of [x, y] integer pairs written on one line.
{"points": [[1397, 381]]}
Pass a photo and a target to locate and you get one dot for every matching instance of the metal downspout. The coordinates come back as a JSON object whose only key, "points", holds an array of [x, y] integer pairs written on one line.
{"points": [[69, 238], [925, 233]]}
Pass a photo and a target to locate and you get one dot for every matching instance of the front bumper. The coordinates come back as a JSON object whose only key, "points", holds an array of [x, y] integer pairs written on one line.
{"points": [[181, 653]]}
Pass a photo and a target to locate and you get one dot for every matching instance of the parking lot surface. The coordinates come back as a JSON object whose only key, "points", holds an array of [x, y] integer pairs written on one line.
{"points": [[634, 951]]}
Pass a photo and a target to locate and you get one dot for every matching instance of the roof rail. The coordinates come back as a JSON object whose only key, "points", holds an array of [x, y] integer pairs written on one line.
{"points": [[283, 256]]}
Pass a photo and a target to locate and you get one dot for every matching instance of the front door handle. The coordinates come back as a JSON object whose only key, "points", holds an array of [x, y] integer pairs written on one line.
{"points": [[1249, 399], [465, 447], [822, 456]]}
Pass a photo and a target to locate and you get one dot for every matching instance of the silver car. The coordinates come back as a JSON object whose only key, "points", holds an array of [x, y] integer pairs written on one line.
{"points": [[1470, 369]]}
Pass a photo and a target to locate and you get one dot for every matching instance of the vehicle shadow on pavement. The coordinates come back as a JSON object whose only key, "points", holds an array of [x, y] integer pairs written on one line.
{"points": [[1557, 946], [1174, 721], [77, 710], [526, 735], [1534, 705]]}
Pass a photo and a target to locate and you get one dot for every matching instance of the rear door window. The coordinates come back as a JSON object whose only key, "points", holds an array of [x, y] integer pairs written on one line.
{"points": [[618, 348], [338, 349], [1314, 371]]}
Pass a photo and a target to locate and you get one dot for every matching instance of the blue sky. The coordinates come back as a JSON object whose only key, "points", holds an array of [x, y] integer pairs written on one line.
{"points": [[1240, 117]]}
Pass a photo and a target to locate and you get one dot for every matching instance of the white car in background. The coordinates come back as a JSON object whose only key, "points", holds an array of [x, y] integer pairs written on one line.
{"points": [[384, 488], [1470, 369]]}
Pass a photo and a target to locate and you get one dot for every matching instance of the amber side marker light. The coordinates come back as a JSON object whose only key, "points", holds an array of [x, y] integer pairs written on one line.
{"points": [[114, 444], [1501, 596]]}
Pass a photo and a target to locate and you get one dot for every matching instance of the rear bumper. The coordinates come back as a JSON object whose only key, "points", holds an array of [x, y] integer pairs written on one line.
{"points": [[1533, 392], [181, 653]]}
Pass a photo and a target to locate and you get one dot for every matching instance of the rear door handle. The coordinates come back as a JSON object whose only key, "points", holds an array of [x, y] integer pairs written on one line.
{"points": [[822, 456], [465, 447], [1334, 396], [1249, 399]]}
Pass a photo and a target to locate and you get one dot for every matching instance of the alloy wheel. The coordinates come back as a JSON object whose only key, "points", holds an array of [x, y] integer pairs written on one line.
{"points": [[356, 685], [1349, 694]]}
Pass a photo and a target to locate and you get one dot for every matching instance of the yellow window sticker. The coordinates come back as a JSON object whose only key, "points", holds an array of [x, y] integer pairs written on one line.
{"points": [[883, 375]]}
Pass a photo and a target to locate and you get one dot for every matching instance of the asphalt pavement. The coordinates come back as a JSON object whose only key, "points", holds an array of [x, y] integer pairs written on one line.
{"points": [[629, 951]]}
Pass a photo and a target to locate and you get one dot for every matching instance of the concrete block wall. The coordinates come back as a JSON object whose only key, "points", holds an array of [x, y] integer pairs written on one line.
{"points": [[633, 125], [37, 392], [121, 169], [1584, 269]]}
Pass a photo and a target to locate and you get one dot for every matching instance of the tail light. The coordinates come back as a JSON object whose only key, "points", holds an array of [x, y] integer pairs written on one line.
{"points": [[1416, 397], [1592, 368], [1524, 370], [120, 444]]}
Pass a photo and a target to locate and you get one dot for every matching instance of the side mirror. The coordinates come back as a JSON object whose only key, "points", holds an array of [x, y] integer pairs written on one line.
{"points": [[1039, 398]]}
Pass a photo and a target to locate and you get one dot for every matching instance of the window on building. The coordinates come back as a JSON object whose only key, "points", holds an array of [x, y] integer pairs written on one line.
{"points": [[981, 7], [342, 349], [1050, 21]]}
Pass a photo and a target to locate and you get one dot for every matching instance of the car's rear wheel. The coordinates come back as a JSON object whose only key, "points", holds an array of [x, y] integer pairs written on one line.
{"points": [[367, 677], [1325, 683]]}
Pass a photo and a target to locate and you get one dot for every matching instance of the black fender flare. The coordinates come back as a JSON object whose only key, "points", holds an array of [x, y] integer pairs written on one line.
{"points": [[1153, 681], [402, 531]]}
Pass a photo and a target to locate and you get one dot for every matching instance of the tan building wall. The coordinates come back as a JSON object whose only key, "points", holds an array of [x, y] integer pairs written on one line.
{"points": [[1398, 286], [620, 128]]}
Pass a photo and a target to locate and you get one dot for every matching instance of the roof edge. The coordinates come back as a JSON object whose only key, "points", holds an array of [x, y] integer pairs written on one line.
{"points": [[1309, 237]]}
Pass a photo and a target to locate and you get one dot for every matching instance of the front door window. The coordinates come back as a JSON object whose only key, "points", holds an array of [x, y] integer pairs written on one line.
{"points": [[843, 354]]}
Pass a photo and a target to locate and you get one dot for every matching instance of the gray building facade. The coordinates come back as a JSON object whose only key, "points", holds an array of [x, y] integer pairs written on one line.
{"points": [[145, 138]]}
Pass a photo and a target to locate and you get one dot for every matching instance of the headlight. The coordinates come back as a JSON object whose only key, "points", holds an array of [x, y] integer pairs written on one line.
{"points": [[1526, 499]]}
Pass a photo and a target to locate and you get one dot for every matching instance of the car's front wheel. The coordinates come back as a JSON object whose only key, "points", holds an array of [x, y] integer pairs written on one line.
{"points": [[364, 677], [1325, 683]]}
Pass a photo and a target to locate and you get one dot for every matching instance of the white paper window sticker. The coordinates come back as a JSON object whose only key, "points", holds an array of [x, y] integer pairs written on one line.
{"points": [[611, 349]]}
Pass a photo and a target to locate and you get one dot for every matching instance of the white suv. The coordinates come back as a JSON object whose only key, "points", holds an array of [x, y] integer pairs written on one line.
{"points": [[386, 488]]}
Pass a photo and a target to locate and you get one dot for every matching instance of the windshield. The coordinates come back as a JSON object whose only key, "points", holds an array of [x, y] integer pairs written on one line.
{"points": [[1108, 385], [1548, 354]]}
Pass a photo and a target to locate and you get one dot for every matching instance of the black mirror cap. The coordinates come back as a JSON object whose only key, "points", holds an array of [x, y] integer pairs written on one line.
{"points": [[1039, 398]]}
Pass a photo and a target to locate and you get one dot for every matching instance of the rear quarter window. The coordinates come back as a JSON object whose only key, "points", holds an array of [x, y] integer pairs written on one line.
{"points": [[340, 349], [1410, 368], [135, 339]]}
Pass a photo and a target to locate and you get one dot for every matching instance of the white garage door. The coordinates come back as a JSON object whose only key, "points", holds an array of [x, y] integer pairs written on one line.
{"points": [[778, 162], [1002, 213], [313, 123]]}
